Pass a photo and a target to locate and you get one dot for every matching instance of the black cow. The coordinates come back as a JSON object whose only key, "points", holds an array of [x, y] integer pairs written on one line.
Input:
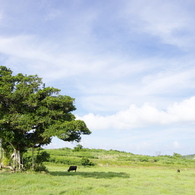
{"points": [[178, 170], [72, 168]]}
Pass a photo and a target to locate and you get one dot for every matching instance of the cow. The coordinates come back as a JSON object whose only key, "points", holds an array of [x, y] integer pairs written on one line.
{"points": [[72, 168], [178, 170]]}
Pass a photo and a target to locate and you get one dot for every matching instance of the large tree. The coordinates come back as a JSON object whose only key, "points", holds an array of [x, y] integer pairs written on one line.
{"points": [[31, 114]]}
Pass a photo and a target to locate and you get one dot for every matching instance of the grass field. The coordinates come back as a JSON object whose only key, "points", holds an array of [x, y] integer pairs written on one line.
{"points": [[100, 180]]}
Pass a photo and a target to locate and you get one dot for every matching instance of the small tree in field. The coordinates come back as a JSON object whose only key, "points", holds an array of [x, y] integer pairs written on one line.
{"points": [[78, 148], [176, 155], [31, 114]]}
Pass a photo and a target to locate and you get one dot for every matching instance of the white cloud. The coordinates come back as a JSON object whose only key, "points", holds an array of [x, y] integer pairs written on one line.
{"points": [[183, 111], [168, 20], [111, 92], [169, 80], [24, 47], [147, 115], [42, 58]]}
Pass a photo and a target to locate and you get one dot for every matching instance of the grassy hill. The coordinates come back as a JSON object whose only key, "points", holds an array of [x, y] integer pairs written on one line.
{"points": [[100, 157], [108, 172]]}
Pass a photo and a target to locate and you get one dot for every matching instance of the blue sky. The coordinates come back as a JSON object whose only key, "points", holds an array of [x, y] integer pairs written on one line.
{"points": [[129, 64]]}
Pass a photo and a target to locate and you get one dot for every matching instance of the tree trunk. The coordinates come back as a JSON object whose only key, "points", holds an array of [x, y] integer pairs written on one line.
{"points": [[33, 159], [8, 167], [1, 152], [17, 160]]}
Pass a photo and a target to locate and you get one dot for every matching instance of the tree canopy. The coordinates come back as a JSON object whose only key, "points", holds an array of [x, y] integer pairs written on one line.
{"points": [[31, 114]]}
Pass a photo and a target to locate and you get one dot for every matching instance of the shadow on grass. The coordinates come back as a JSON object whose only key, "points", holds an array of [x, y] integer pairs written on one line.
{"points": [[97, 175]]}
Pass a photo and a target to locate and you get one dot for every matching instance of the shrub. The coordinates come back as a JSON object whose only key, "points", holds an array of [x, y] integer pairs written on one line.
{"points": [[40, 167], [176, 155], [144, 159], [43, 156], [39, 157], [78, 148], [86, 162], [5, 161]]}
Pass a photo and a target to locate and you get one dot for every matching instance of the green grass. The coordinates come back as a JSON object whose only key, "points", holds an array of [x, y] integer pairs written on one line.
{"points": [[68, 156], [114, 173], [100, 180]]}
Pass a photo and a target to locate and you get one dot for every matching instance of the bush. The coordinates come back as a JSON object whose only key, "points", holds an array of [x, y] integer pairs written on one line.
{"points": [[86, 162], [154, 160], [40, 167], [78, 148], [144, 159], [5, 161], [176, 155], [39, 157], [43, 156]]}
